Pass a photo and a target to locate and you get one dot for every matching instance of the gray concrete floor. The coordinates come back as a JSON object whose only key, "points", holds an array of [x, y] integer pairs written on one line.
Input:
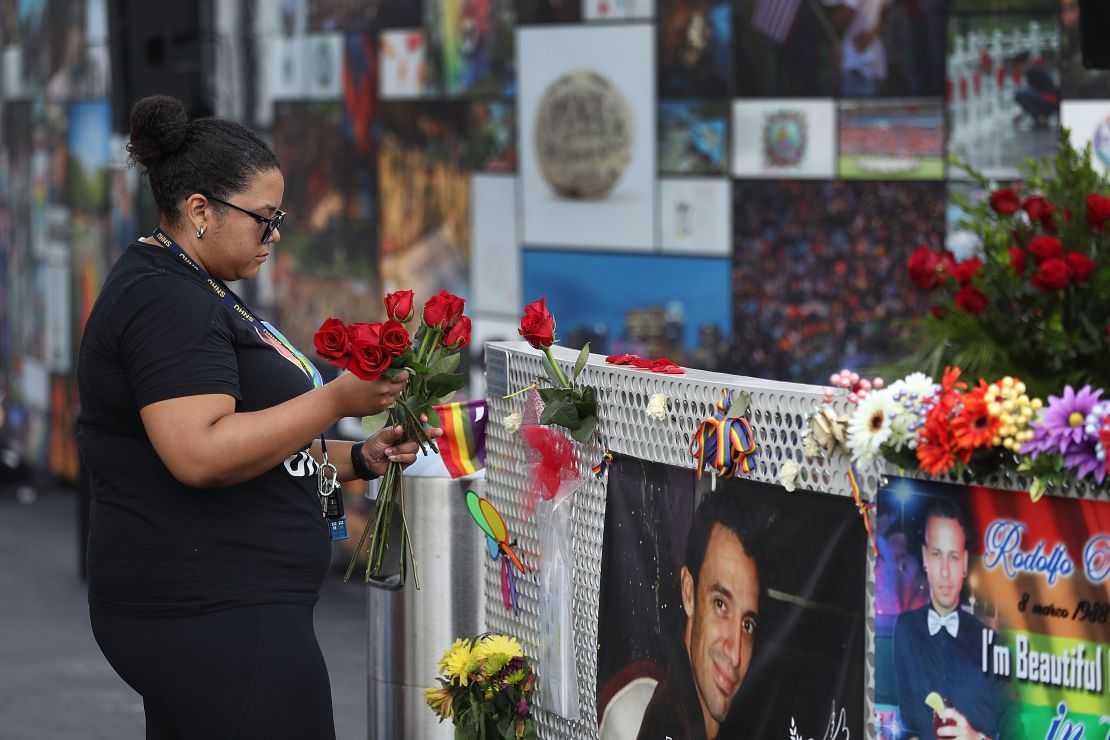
{"points": [[54, 682]]}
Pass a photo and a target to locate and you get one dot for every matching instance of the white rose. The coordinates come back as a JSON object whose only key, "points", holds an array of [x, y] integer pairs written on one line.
{"points": [[512, 422], [657, 407], [788, 475]]}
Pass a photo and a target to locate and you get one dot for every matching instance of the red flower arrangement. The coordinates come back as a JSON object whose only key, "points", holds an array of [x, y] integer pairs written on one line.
{"points": [[1035, 297], [431, 357]]}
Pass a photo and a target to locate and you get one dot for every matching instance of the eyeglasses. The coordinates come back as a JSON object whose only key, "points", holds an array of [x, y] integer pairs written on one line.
{"points": [[271, 223]]}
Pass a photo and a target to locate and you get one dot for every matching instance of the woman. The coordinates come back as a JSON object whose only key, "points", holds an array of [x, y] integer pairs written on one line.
{"points": [[207, 543]]}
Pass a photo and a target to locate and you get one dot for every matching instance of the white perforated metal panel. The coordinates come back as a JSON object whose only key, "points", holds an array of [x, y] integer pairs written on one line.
{"points": [[779, 414]]}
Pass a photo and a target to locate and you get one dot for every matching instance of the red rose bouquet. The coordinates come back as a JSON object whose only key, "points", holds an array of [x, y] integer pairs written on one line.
{"points": [[1034, 298], [431, 357]]}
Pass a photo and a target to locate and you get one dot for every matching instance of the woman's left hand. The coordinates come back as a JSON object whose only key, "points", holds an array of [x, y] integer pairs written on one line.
{"points": [[386, 446]]}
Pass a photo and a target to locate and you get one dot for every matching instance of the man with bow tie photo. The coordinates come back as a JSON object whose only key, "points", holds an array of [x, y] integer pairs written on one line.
{"points": [[938, 646]]}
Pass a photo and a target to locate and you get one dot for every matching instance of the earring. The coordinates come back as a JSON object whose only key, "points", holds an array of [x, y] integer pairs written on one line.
{"points": [[200, 232]]}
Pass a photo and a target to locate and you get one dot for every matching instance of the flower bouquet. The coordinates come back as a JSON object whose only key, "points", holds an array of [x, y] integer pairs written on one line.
{"points": [[1033, 300], [486, 689], [951, 428], [431, 357]]}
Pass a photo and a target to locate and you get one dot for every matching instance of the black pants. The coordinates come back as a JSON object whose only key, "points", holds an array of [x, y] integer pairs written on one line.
{"points": [[249, 673]]}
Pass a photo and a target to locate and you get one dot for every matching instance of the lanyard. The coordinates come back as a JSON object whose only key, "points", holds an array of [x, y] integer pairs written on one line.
{"points": [[269, 334]]}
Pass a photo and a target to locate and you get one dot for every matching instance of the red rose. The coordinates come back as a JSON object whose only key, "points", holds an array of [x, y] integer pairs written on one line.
{"points": [[971, 299], [1081, 266], [964, 271], [369, 358], [1041, 210], [1005, 201], [938, 312], [1046, 247], [332, 342], [365, 333], [1053, 274], [442, 310], [925, 267], [398, 306], [1017, 260], [458, 336], [1034, 205], [538, 325], [1098, 211], [395, 337]]}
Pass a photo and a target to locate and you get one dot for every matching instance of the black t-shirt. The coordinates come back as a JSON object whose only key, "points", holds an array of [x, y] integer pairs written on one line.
{"points": [[156, 546]]}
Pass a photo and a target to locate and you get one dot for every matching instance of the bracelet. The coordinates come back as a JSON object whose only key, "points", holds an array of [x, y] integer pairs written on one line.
{"points": [[359, 465]]}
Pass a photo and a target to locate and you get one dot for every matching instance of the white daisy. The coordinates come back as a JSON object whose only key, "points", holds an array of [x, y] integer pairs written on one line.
{"points": [[908, 393], [917, 385], [871, 425]]}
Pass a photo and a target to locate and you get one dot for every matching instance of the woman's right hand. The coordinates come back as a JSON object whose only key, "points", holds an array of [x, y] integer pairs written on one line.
{"points": [[357, 397]]}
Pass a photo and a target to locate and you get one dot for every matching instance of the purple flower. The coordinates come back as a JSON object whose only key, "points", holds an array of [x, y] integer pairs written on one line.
{"points": [[1062, 430], [522, 707]]}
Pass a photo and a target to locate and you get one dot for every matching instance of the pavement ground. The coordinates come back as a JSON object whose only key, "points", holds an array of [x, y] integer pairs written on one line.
{"points": [[54, 682]]}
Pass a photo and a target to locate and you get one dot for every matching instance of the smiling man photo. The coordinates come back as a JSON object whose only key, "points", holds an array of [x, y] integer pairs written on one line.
{"points": [[937, 647], [720, 589]]}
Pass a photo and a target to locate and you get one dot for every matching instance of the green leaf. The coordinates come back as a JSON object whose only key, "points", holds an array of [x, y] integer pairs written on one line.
{"points": [[392, 372], [560, 412], [444, 383], [549, 394], [585, 404], [585, 429], [406, 359], [443, 399], [740, 404], [433, 417], [375, 423], [446, 363], [583, 358]]}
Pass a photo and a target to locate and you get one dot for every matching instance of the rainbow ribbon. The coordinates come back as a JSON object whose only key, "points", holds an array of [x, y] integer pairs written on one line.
{"points": [[722, 442], [603, 465], [864, 509], [606, 457]]}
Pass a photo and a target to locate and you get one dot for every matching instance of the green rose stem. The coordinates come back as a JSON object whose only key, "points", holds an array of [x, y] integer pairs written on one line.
{"points": [[390, 494], [558, 373], [428, 344], [416, 428], [374, 520]]}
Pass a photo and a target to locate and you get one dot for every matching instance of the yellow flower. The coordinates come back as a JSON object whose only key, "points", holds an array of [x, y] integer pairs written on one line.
{"points": [[439, 700], [1007, 400], [498, 645], [455, 660]]}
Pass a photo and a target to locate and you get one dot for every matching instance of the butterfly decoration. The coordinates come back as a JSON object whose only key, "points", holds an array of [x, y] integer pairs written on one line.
{"points": [[487, 517]]}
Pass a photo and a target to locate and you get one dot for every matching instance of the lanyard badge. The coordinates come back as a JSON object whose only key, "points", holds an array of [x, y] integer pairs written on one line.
{"points": [[331, 495]]}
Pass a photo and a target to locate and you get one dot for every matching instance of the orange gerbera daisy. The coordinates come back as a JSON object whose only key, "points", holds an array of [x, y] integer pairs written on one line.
{"points": [[935, 449], [974, 426]]}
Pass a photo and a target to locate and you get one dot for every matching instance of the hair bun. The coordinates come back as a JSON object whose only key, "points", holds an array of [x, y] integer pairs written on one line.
{"points": [[158, 127]]}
